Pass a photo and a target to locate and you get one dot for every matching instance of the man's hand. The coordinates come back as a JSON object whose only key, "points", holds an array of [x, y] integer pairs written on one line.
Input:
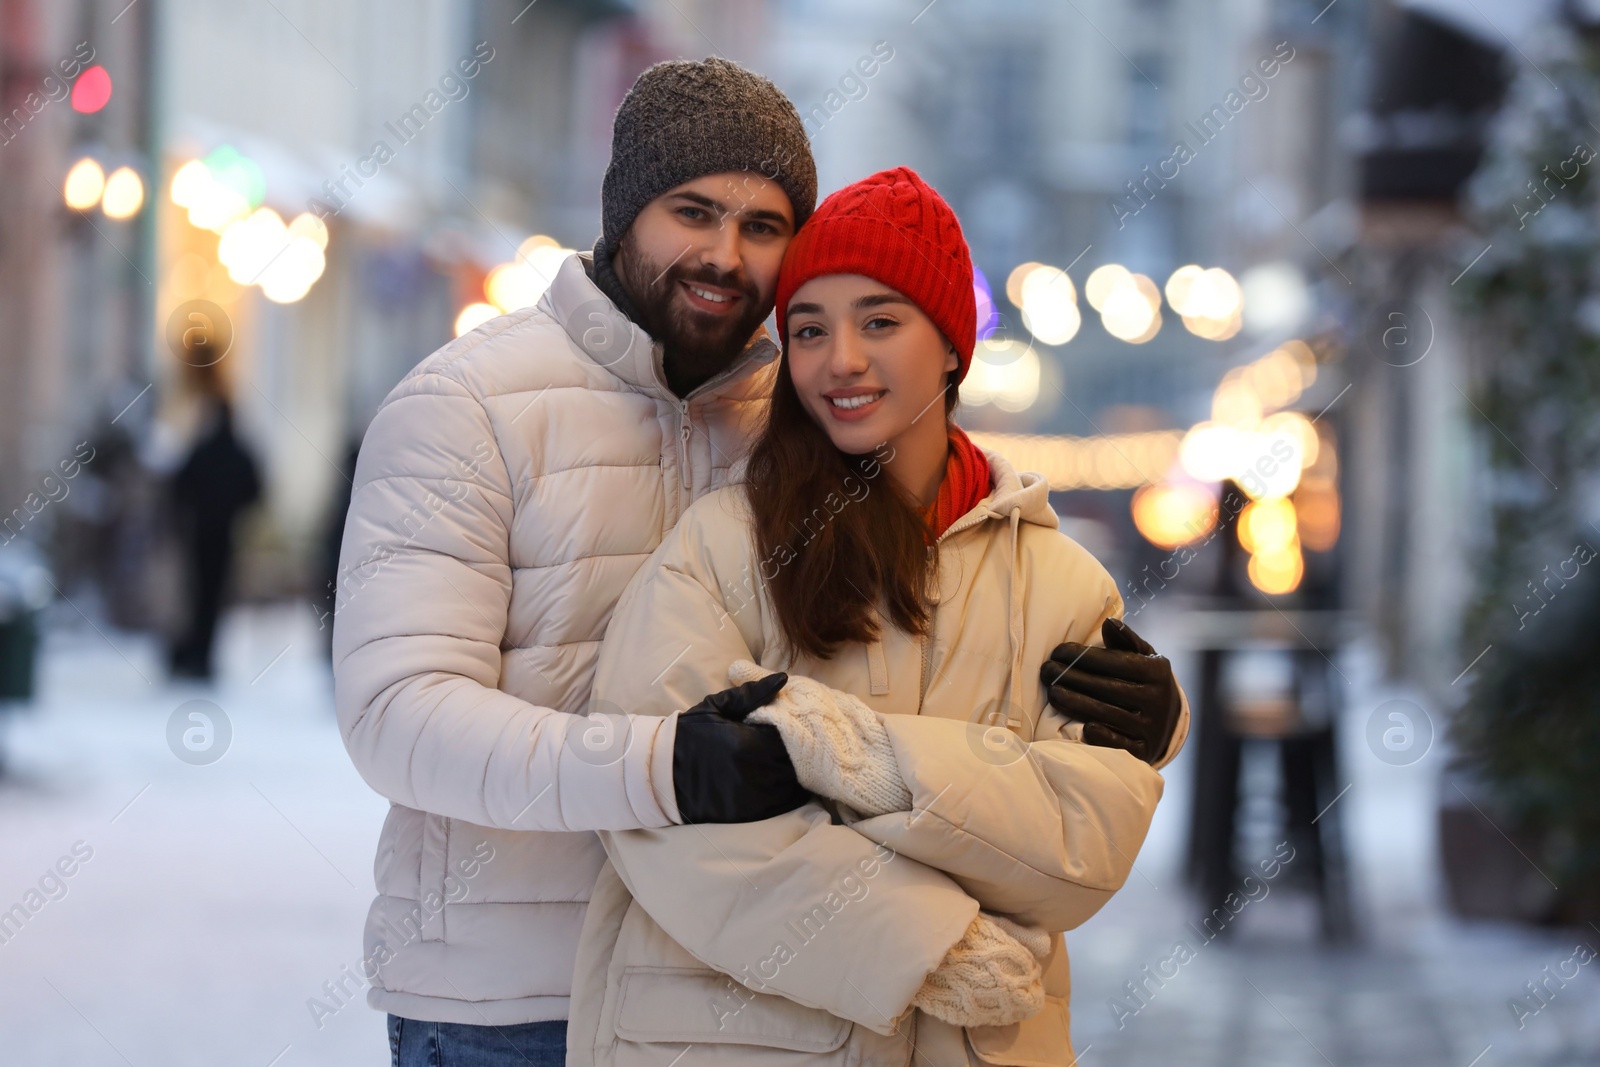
{"points": [[727, 770], [1125, 695]]}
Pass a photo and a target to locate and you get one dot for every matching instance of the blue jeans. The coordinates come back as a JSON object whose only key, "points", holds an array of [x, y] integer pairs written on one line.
{"points": [[421, 1044]]}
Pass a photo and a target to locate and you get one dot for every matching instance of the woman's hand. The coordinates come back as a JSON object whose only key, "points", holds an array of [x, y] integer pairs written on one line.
{"points": [[992, 977], [1125, 694], [839, 747]]}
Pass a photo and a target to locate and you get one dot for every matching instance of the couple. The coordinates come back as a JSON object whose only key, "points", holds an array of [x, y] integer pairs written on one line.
{"points": [[733, 707]]}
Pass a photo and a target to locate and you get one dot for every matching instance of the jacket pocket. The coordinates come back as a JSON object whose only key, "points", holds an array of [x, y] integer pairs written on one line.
{"points": [[431, 874], [1043, 1039], [680, 1004]]}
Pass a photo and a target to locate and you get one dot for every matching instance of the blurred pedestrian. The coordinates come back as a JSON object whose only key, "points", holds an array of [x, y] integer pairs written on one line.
{"points": [[216, 481]]}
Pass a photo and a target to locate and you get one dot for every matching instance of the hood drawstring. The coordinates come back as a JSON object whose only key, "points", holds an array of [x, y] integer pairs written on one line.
{"points": [[1014, 712]]}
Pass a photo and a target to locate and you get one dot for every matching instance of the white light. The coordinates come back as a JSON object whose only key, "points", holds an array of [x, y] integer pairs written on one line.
{"points": [[1044, 283], [249, 244], [545, 260], [1178, 285], [474, 315], [513, 285], [85, 182], [216, 206], [1126, 312], [1049, 303], [1054, 322], [1007, 379], [292, 272], [1209, 452], [521, 283], [1276, 299], [1214, 295], [532, 244], [1014, 280], [190, 183], [309, 226], [1102, 281], [124, 194]]}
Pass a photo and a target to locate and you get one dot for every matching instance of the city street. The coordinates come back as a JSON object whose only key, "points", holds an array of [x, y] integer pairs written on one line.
{"points": [[218, 899]]}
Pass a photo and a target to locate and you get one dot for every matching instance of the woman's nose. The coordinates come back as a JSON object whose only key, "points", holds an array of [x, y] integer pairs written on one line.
{"points": [[847, 359]]}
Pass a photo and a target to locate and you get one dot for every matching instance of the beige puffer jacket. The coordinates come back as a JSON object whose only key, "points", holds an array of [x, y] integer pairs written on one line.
{"points": [[507, 490], [801, 940]]}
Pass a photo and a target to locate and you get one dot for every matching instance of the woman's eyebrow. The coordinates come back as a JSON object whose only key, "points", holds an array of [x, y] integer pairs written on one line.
{"points": [[872, 300]]}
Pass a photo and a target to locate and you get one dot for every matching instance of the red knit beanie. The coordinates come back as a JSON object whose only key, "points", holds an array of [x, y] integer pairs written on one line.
{"points": [[891, 227]]}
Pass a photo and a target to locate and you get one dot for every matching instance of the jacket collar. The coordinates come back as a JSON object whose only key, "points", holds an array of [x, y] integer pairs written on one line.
{"points": [[615, 342]]}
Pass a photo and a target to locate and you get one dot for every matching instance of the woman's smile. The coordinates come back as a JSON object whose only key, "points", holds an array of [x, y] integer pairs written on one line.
{"points": [[853, 405]]}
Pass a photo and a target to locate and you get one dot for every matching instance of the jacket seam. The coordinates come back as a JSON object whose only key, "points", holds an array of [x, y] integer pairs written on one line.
{"points": [[644, 465], [574, 559], [432, 478]]}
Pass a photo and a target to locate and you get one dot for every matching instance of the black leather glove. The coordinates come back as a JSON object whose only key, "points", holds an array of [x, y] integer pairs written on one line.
{"points": [[1125, 695], [727, 770]]}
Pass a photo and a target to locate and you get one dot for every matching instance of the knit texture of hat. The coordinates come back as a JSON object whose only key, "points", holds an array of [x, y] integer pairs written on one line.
{"points": [[683, 120], [891, 227]]}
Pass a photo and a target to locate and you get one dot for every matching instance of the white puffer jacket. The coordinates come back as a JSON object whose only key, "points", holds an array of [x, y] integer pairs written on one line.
{"points": [[507, 490]]}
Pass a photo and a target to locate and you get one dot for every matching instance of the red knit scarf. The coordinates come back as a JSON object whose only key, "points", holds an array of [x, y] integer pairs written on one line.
{"points": [[966, 481]]}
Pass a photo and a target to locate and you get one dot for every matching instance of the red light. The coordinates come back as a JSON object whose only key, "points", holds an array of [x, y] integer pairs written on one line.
{"points": [[92, 90]]}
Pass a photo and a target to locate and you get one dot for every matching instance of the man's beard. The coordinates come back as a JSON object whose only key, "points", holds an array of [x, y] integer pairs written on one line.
{"points": [[697, 345]]}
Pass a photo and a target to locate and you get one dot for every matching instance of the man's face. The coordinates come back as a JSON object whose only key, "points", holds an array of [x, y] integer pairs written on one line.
{"points": [[701, 264]]}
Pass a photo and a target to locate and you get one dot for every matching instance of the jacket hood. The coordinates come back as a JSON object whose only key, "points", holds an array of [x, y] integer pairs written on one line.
{"points": [[1024, 492], [606, 335]]}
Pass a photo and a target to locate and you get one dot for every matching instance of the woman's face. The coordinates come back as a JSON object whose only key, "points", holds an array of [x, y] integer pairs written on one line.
{"points": [[868, 364]]}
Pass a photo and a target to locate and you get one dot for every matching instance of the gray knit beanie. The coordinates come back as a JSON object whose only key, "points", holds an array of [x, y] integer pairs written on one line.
{"points": [[684, 119]]}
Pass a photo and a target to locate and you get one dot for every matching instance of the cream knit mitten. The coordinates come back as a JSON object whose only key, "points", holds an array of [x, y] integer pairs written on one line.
{"points": [[838, 745], [991, 977]]}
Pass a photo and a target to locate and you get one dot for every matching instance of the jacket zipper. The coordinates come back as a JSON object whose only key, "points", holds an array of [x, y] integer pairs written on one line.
{"points": [[685, 490]]}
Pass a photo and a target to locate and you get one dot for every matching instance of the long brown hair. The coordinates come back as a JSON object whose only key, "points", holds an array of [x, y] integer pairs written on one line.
{"points": [[838, 534]]}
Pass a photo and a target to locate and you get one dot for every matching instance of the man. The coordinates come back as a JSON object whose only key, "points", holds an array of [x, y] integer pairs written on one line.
{"points": [[506, 491]]}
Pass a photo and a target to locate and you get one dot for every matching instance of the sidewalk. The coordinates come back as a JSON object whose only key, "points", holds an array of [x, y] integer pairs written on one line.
{"points": [[218, 899]]}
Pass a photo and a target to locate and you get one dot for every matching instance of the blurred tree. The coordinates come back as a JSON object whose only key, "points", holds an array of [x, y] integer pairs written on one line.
{"points": [[1530, 727]]}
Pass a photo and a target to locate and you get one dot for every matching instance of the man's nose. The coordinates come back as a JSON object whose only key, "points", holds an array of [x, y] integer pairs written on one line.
{"points": [[725, 250]]}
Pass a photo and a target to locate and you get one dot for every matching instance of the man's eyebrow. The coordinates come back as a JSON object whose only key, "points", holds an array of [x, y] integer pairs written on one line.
{"points": [[763, 214]]}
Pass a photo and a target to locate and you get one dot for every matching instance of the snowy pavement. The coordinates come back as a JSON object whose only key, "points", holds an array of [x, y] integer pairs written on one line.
{"points": [[218, 898], [207, 904]]}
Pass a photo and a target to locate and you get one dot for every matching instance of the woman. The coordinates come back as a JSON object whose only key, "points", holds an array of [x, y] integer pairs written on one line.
{"points": [[900, 577]]}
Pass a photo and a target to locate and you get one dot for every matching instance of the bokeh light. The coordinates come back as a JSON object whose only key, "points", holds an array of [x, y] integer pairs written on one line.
{"points": [[92, 90], [124, 194], [85, 182], [1170, 515], [474, 315], [1003, 373]]}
